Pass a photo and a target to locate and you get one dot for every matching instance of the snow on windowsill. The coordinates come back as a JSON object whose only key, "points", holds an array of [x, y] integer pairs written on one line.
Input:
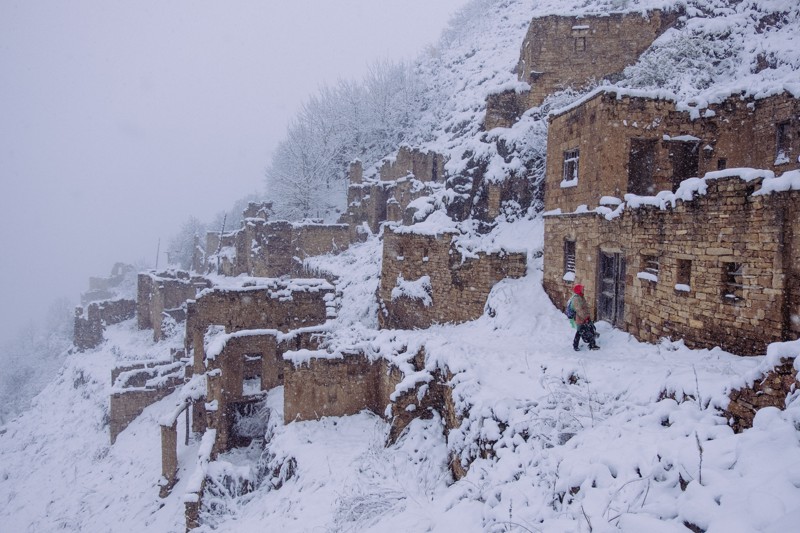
{"points": [[566, 184], [682, 287], [647, 276], [569, 276]]}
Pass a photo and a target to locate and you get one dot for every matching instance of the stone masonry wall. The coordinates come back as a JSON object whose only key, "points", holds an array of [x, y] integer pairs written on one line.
{"points": [[274, 249], [336, 387], [458, 288], [283, 305], [88, 329], [560, 52], [726, 225], [256, 354], [605, 128], [771, 390], [162, 292], [424, 166]]}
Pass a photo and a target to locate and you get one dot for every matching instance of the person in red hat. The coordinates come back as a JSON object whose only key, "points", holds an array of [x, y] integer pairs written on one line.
{"points": [[579, 309]]}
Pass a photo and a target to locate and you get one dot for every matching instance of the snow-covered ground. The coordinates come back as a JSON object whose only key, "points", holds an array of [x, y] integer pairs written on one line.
{"points": [[626, 438]]}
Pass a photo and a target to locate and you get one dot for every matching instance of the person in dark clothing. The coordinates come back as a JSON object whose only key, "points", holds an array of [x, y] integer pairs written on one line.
{"points": [[582, 320]]}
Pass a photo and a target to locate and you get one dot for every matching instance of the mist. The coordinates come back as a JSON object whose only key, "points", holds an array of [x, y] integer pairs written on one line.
{"points": [[119, 120]]}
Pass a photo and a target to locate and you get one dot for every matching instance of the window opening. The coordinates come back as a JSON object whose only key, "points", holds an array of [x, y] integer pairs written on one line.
{"points": [[732, 281], [580, 44], [684, 156], [570, 177], [782, 146], [649, 268], [683, 276], [569, 260], [641, 164], [722, 163]]}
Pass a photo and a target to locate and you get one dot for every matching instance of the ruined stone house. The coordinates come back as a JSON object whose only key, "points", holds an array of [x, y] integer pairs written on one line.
{"points": [[410, 175], [561, 51], [426, 280], [161, 298], [712, 261], [265, 248], [106, 302]]}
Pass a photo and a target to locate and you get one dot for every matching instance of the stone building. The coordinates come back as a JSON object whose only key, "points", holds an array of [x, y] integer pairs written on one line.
{"points": [[410, 175], [108, 288], [89, 324], [426, 280], [271, 249], [162, 296], [712, 260], [560, 52]]}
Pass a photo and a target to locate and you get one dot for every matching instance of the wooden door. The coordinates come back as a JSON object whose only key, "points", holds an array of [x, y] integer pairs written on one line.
{"points": [[611, 288]]}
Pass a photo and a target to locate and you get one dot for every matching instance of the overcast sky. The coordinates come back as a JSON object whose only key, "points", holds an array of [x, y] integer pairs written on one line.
{"points": [[119, 120]]}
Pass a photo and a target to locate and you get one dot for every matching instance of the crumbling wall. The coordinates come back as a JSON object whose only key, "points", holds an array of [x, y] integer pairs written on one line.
{"points": [[89, 326], [771, 390], [221, 253], [706, 236], [106, 288], [247, 356], [425, 166], [442, 285], [163, 294], [282, 305], [334, 387], [136, 388]]}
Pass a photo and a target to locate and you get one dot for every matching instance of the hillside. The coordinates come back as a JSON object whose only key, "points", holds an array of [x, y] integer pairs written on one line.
{"points": [[493, 423]]}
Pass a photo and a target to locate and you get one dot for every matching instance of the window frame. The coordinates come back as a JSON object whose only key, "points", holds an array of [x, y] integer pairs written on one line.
{"points": [[570, 252], [571, 167], [649, 267], [732, 290]]}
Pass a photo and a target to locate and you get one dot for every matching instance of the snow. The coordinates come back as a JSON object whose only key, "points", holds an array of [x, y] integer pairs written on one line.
{"points": [[682, 287], [647, 276], [418, 289], [626, 438]]}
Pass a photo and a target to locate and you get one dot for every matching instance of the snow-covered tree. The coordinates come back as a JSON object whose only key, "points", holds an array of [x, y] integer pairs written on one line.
{"points": [[365, 120]]}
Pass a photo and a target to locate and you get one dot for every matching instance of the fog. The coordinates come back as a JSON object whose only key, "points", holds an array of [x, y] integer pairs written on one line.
{"points": [[119, 120]]}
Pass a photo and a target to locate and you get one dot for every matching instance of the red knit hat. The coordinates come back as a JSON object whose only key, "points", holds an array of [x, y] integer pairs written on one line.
{"points": [[578, 289]]}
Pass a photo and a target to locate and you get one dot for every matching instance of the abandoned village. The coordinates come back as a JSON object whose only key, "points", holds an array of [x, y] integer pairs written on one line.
{"points": [[681, 221]]}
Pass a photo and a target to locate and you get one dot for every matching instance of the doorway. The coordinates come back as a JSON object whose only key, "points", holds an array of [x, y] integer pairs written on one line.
{"points": [[684, 156], [611, 284]]}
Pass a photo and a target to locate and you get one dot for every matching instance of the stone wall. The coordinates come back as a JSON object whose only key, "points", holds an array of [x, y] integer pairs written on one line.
{"points": [[247, 355], [89, 326], [125, 407], [221, 252], [282, 305], [457, 287], [560, 52], [137, 387], [106, 288], [636, 145], [278, 248], [771, 390], [336, 387], [164, 292], [728, 225], [504, 109], [423, 165], [409, 175]]}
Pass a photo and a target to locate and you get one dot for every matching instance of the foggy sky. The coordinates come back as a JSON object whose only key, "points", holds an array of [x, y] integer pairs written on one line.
{"points": [[119, 120]]}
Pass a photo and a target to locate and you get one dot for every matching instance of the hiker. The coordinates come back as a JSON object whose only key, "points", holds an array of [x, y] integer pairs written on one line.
{"points": [[578, 313]]}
